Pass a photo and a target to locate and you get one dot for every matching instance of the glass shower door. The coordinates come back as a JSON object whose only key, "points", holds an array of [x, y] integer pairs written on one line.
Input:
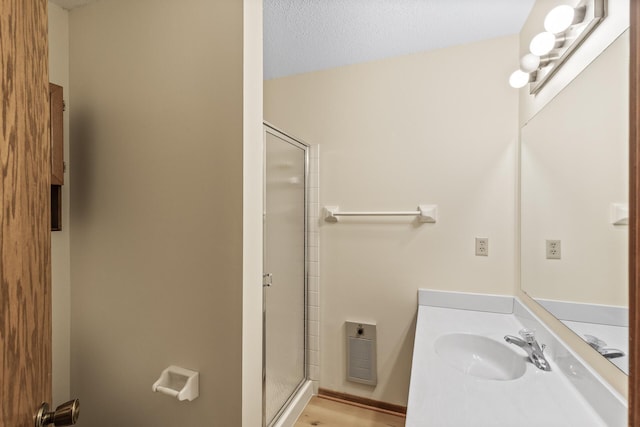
{"points": [[284, 268]]}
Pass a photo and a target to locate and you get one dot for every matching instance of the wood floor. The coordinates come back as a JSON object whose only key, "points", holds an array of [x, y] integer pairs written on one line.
{"points": [[321, 411]]}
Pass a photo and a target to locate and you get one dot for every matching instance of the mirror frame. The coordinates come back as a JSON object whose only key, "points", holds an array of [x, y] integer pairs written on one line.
{"points": [[634, 215]]}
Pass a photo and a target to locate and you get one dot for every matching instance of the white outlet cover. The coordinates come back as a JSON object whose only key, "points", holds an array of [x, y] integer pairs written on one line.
{"points": [[482, 246], [553, 249]]}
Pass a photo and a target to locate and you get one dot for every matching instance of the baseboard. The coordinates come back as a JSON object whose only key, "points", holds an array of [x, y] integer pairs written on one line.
{"points": [[375, 405]]}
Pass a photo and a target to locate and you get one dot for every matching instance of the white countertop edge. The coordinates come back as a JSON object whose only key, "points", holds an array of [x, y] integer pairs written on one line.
{"points": [[584, 312], [604, 399], [466, 301]]}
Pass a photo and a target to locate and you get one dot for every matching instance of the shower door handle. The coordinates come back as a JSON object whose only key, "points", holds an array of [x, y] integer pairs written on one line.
{"points": [[267, 280]]}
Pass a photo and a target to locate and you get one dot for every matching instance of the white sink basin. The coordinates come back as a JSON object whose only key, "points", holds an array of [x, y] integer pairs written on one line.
{"points": [[480, 357]]}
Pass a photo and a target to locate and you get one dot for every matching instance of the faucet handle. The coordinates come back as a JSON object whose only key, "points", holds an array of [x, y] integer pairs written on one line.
{"points": [[529, 335]]}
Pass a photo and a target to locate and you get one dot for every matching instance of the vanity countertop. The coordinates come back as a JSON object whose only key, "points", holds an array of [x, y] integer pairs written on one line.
{"points": [[440, 395], [616, 337]]}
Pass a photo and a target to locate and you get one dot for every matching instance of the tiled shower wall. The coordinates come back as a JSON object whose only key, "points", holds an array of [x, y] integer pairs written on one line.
{"points": [[313, 267]]}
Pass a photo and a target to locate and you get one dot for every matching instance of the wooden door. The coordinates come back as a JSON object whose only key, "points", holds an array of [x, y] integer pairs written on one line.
{"points": [[25, 175]]}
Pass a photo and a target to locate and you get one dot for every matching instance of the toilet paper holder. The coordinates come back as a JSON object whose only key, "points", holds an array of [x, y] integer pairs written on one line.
{"points": [[178, 382]]}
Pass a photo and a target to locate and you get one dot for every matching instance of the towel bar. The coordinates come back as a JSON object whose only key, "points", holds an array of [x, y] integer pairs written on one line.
{"points": [[425, 213]]}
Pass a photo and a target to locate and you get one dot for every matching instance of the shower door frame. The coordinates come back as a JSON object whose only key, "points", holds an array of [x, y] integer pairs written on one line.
{"points": [[297, 142]]}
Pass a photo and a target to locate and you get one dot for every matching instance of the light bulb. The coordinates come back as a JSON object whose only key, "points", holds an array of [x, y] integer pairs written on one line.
{"points": [[542, 44], [519, 79], [529, 63], [560, 19]]}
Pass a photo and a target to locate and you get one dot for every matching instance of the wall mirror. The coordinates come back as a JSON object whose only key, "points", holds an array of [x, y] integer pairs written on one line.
{"points": [[574, 188]]}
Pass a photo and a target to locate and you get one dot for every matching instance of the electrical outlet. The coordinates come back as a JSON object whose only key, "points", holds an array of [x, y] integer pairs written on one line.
{"points": [[553, 249], [482, 246]]}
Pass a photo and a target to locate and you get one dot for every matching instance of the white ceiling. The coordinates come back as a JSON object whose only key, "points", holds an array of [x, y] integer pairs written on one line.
{"points": [[309, 35]]}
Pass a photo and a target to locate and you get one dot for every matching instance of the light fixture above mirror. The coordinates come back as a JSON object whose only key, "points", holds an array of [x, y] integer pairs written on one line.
{"points": [[566, 27]]}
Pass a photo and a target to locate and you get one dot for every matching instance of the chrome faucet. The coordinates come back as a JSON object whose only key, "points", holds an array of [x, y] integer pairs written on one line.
{"points": [[529, 344], [600, 347]]}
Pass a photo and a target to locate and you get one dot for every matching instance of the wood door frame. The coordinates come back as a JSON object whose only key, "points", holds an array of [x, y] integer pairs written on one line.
{"points": [[634, 216]]}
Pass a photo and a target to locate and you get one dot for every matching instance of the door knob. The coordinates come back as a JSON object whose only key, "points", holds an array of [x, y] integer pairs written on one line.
{"points": [[65, 415]]}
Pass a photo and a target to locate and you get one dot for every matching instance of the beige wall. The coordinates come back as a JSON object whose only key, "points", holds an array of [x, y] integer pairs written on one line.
{"points": [[615, 24], [428, 128], [60, 252], [157, 247]]}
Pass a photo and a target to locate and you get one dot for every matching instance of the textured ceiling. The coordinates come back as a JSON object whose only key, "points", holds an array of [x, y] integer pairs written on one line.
{"points": [[310, 35]]}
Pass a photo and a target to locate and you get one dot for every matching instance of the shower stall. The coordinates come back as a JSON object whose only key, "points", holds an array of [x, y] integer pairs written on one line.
{"points": [[285, 272]]}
